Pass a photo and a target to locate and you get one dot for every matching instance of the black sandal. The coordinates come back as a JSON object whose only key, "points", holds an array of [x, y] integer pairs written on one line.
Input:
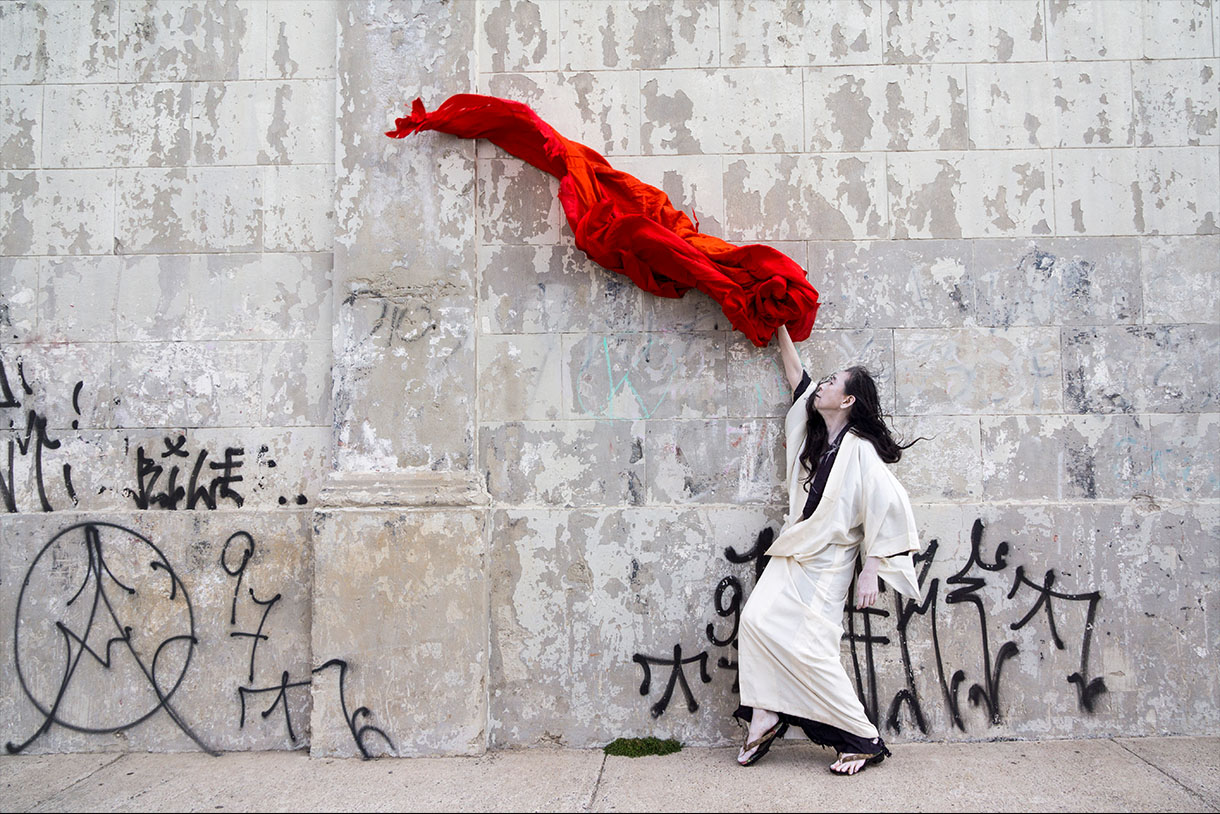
{"points": [[763, 744], [850, 756]]}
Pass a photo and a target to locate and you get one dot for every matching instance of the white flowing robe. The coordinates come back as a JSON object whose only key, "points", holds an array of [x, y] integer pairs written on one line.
{"points": [[792, 624]]}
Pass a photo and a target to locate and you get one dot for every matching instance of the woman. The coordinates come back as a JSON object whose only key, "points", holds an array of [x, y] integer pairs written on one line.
{"points": [[843, 503]]}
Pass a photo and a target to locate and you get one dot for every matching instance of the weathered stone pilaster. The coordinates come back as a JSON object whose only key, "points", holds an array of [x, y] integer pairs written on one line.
{"points": [[400, 575]]}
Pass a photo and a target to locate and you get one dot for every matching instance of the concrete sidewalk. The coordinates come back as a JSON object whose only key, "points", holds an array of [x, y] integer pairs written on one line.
{"points": [[1138, 774]]}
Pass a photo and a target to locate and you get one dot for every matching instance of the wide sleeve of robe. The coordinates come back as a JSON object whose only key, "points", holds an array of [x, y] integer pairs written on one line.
{"points": [[889, 530]]}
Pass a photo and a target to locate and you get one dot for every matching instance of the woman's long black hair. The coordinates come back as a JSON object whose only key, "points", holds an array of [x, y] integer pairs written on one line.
{"points": [[865, 420]]}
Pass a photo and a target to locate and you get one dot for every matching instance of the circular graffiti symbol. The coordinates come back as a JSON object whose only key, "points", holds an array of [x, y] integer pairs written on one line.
{"points": [[104, 629]]}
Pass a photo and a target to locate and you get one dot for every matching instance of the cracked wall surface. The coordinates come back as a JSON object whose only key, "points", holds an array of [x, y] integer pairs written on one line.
{"points": [[521, 488]]}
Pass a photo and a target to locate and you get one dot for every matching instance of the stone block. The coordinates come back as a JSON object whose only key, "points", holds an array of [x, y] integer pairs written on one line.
{"points": [[550, 289], [753, 111], [1162, 369], [1169, 190], [404, 380], [268, 122], [232, 296], [761, 32], [18, 299], [1181, 278], [1050, 105], [68, 42], [189, 209], [296, 383], [892, 284], [1066, 457], [1098, 192], [520, 377], [21, 110], [1173, 29], [1058, 281], [155, 297], [890, 107], [518, 204], [118, 125], [801, 197], [644, 375], [296, 218], [600, 109], [756, 386], [1176, 102], [581, 600], [42, 378], [78, 299], [944, 31], [1180, 190], [609, 35], [972, 194], [1184, 456], [694, 185], [518, 35], [564, 463], [195, 41], [943, 464], [188, 384], [301, 39], [192, 578], [715, 461], [57, 212], [970, 371], [423, 574]]}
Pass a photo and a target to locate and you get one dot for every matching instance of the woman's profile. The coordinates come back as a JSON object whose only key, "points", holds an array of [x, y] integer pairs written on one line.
{"points": [[843, 505]]}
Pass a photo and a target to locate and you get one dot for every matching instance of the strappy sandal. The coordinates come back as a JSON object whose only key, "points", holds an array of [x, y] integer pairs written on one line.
{"points": [[763, 743], [848, 757]]}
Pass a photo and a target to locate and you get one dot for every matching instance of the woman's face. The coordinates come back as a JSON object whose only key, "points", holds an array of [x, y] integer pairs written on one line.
{"points": [[830, 394]]}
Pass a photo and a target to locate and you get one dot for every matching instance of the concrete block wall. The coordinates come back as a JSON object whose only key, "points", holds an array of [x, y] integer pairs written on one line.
{"points": [[1000, 203], [512, 476], [165, 306]]}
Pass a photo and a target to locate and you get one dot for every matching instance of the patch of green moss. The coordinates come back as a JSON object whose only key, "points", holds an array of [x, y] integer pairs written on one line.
{"points": [[641, 747]]}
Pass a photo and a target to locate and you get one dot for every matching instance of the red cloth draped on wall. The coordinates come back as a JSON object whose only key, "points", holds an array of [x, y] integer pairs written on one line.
{"points": [[630, 227]]}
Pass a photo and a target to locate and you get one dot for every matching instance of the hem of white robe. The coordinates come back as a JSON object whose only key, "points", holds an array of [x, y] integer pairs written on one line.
{"points": [[812, 716]]}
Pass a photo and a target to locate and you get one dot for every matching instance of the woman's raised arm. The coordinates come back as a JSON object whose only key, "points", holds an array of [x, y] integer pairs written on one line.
{"points": [[793, 369]]}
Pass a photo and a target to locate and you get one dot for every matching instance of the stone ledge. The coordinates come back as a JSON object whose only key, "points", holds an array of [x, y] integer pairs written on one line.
{"points": [[344, 490]]}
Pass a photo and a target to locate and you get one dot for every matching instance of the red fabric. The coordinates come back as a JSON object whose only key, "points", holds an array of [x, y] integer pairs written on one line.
{"points": [[630, 227]]}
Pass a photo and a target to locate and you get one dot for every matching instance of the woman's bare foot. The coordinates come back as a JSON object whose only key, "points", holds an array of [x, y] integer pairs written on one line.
{"points": [[762, 721], [851, 763]]}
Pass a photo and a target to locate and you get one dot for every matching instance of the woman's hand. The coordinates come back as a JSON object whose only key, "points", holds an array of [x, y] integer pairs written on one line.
{"points": [[866, 584]]}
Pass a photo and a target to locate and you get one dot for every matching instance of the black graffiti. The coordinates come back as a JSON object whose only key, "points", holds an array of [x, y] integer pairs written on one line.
{"points": [[757, 554], [359, 733], [676, 676], [869, 640], [104, 611], [34, 437], [235, 556], [247, 551], [1087, 690], [966, 584], [198, 491], [732, 586]]}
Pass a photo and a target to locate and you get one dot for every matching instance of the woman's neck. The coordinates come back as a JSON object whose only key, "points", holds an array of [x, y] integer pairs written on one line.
{"points": [[835, 422]]}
